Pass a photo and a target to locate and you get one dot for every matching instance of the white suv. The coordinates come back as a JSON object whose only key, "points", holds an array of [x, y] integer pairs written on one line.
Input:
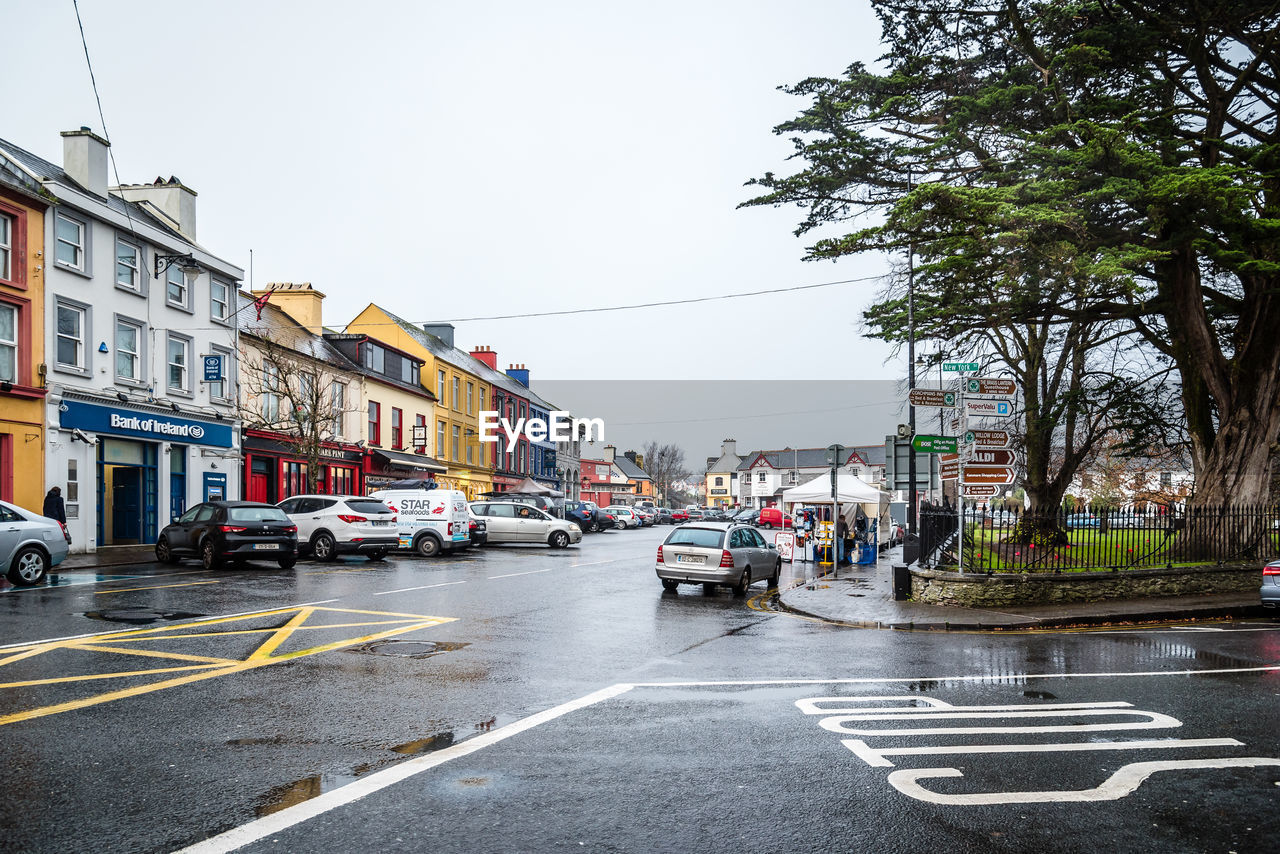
{"points": [[330, 525]]}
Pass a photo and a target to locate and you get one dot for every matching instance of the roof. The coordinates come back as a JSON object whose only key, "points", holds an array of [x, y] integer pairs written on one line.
{"points": [[727, 462], [806, 458], [278, 328], [630, 469]]}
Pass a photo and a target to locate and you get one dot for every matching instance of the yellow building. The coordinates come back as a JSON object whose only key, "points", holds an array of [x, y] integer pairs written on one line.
{"points": [[22, 353], [451, 375]]}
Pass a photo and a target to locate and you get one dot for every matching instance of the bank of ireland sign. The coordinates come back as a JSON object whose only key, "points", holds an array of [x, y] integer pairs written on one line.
{"points": [[143, 425]]}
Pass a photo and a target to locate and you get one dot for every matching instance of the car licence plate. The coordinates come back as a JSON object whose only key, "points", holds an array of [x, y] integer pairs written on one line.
{"points": [[380, 523], [690, 559], [265, 546]]}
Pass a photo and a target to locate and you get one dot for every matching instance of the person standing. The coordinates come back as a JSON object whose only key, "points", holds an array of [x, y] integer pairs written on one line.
{"points": [[53, 505]]}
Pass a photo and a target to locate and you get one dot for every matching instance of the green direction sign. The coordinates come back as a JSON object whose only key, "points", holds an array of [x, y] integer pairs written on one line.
{"points": [[935, 444], [960, 366]]}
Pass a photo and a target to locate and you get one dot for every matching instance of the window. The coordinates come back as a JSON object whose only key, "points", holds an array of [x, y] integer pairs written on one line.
{"points": [[270, 393], [1166, 478], [6, 246], [73, 483], [420, 433], [128, 265], [69, 242], [471, 449], [440, 438], [455, 397], [128, 350], [179, 361], [440, 386], [295, 482], [70, 322], [375, 423], [760, 476], [338, 397], [471, 390], [374, 358], [410, 371], [8, 343], [719, 481], [218, 389], [793, 477], [397, 429], [219, 300], [457, 438], [482, 399], [176, 286]]}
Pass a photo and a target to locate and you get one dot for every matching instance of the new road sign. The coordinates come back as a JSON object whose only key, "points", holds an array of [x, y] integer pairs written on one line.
{"points": [[987, 438], [994, 387], [959, 366], [932, 397], [935, 444], [972, 490], [998, 475], [988, 408], [992, 457]]}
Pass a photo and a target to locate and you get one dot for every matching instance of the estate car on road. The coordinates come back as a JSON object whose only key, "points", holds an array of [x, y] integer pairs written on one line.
{"points": [[30, 544], [712, 553], [513, 522]]}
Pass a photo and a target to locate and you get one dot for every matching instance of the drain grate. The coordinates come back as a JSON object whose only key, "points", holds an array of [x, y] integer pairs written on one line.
{"points": [[407, 648], [140, 616]]}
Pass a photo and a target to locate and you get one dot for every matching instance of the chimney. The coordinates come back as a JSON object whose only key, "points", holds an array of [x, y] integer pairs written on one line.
{"points": [[300, 301], [172, 198], [631, 455], [609, 453], [519, 373], [486, 355], [84, 158], [729, 447], [443, 331]]}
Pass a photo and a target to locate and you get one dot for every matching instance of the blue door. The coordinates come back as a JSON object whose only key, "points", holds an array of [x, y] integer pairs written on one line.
{"points": [[126, 501]]}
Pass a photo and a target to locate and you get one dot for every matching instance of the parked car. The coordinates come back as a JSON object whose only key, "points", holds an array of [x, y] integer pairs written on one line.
{"points": [[1082, 520], [714, 514], [624, 517], [662, 516], [515, 522], [218, 531], [331, 525], [1271, 585], [646, 514], [679, 516], [429, 521], [773, 517], [581, 513], [545, 503], [696, 514], [30, 544], [478, 529], [606, 520], [713, 553], [747, 516]]}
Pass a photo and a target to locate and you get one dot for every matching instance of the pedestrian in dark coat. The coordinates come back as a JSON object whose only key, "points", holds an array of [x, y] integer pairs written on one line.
{"points": [[53, 506]]}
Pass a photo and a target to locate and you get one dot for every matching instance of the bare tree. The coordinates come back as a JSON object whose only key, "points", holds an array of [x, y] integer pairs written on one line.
{"points": [[665, 464]]}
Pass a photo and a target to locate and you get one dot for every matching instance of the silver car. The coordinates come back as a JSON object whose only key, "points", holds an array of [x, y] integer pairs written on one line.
{"points": [[515, 522], [30, 544], [1271, 585], [712, 553]]}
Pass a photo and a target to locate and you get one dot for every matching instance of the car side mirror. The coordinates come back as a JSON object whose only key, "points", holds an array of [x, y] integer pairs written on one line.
{"points": [[772, 547]]}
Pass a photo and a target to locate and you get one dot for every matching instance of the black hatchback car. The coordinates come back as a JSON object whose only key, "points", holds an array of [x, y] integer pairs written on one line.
{"points": [[218, 531]]}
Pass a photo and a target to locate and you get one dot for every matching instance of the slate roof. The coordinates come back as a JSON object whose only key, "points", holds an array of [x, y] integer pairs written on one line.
{"points": [[630, 469], [279, 328], [809, 457], [727, 462]]}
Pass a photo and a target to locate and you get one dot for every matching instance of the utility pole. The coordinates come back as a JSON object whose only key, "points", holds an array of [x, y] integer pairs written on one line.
{"points": [[913, 500]]}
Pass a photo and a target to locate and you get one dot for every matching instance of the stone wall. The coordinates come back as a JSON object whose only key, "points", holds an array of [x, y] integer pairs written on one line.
{"points": [[979, 590]]}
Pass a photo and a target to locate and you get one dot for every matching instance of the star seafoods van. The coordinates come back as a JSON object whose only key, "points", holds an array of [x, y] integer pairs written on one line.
{"points": [[429, 521]]}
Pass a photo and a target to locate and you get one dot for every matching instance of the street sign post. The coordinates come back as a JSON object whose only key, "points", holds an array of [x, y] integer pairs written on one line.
{"points": [[935, 444], [991, 387], [971, 490], [932, 397], [960, 366], [949, 466], [996, 475], [987, 438]]}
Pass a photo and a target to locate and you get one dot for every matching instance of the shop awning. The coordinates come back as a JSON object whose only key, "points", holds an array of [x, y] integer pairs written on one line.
{"points": [[418, 462]]}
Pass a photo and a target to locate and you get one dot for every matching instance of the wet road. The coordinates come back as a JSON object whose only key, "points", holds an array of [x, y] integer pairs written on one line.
{"points": [[523, 699]]}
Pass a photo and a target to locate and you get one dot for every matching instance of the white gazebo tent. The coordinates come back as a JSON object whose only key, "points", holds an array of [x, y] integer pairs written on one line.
{"points": [[851, 492]]}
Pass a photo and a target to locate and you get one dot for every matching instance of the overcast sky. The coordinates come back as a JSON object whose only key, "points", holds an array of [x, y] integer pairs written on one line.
{"points": [[449, 160]]}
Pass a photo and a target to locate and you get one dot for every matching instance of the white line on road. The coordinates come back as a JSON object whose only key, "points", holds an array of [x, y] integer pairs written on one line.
{"points": [[423, 587], [276, 822], [596, 562], [873, 756], [514, 574]]}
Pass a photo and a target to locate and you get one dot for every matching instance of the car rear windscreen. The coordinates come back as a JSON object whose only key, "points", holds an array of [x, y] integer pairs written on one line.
{"points": [[256, 514], [367, 505], [701, 537]]}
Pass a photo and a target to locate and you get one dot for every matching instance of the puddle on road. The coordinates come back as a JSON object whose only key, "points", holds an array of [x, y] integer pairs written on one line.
{"points": [[283, 797], [139, 616]]}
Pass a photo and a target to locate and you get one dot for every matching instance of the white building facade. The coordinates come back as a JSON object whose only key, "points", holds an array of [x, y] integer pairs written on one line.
{"points": [[133, 306]]}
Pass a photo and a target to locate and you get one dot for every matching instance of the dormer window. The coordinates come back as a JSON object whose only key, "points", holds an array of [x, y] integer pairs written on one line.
{"points": [[374, 358]]}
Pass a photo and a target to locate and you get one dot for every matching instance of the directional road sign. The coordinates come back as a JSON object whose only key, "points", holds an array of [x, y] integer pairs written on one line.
{"points": [[993, 387], [992, 457], [949, 468], [932, 397], [998, 475], [959, 366], [987, 438], [988, 408], [972, 490], [935, 444]]}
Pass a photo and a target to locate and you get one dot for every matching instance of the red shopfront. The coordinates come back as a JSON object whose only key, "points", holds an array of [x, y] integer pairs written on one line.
{"points": [[274, 470]]}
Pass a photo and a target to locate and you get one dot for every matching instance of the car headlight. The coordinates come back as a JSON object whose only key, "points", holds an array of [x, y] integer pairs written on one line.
{"points": [[573, 526]]}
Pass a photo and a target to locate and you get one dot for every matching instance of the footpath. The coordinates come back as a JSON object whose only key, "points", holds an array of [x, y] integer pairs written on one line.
{"points": [[862, 596]]}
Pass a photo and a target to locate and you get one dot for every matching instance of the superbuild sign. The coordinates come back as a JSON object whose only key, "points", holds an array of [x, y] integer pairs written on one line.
{"points": [[156, 425]]}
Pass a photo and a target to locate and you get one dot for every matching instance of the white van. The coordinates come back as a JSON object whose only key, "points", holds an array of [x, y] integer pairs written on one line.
{"points": [[429, 521]]}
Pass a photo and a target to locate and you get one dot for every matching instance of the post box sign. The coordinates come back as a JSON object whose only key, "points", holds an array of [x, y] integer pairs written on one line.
{"points": [[136, 424]]}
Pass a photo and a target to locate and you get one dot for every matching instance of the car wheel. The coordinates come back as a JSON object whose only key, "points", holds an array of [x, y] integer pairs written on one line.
{"points": [[287, 562], [208, 558], [669, 585], [164, 554], [740, 588], [29, 567], [559, 540], [427, 546], [777, 573], [378, 555], [594, 527], [323, 547]]}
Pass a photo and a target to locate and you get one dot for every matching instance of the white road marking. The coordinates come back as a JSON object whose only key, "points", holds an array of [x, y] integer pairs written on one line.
{"points": [[1154, 720], [276, 822], [596, 562], [1123, 782], [170, 625], [62, 584], [875, 757], [810, 706], [514, 574], [423, 587]]}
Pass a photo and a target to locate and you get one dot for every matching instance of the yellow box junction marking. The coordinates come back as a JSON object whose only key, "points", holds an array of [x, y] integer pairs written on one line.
{"points": [[204, 667]]}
